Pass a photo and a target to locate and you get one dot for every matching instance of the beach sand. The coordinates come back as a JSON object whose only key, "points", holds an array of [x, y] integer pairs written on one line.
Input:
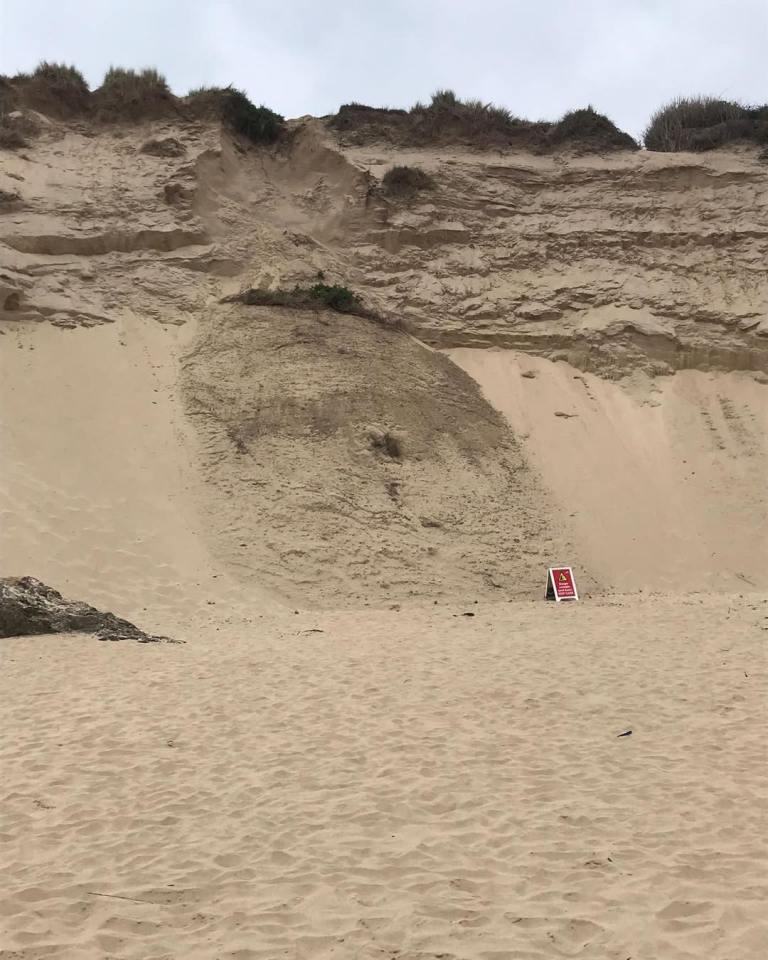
{"points": [[402, 784]]}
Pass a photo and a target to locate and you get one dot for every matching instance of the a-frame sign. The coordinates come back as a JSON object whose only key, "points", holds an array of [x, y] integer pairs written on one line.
{"points": [[561, 584]]}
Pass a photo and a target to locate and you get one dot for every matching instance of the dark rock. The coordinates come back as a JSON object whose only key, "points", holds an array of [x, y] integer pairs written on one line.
{"points": [[28, 607], [167, 147]]}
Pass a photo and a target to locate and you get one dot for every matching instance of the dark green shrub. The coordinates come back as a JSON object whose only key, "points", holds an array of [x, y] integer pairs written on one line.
{"points": [[588, 129], [705, 123], [257, 124], [334, 297], [404, 181], [205, 103], [233, 108]]}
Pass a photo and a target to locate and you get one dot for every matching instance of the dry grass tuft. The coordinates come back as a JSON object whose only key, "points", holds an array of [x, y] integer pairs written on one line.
{"points": [[449, 119], [406, 182], [705, 123], [134, 95], [55, 89]]}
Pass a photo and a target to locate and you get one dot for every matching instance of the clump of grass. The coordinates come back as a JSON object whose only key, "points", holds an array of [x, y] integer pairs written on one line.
{"points": [[58, 89], [332, 297], [233, 108], [403, 181], [445, 119], [705, 123], [590, 130], [449, 117], [134, 95]]}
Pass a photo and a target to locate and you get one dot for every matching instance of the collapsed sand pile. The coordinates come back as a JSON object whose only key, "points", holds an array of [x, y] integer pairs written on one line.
{"points": [[349, 462], [325, 459]]}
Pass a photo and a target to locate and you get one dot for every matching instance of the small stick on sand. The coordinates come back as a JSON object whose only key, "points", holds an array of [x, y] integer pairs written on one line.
{"points": [[117, 896]]}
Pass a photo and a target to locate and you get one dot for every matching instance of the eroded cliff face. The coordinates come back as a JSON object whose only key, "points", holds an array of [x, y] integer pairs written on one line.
{"points": [[632, 260], [617, 262], [629, 266]]}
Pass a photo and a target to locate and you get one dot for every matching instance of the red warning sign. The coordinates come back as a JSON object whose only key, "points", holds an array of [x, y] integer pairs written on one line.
{"points": [[561, 584]]}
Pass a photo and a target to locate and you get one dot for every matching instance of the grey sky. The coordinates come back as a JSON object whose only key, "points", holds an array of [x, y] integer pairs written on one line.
{"points": [[537, 57]]}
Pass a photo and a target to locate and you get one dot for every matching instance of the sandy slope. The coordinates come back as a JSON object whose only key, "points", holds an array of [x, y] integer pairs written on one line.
{"points": [[664, 480], [405, 785], [98, 483]]}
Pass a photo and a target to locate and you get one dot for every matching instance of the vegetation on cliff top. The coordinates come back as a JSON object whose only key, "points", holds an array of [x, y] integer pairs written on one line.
{"points": [[59, 90], [704, 123], [232, 106], [448, 119]]}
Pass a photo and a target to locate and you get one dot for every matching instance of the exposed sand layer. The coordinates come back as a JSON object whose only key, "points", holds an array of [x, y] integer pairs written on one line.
{"points": [[620, 262], [408, 785]]}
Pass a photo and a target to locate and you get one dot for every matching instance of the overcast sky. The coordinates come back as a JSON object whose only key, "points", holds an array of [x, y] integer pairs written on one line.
{"points": [[539, 58]]}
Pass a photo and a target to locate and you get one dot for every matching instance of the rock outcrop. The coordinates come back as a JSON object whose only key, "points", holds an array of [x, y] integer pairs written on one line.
{"points": [[30, 608]]}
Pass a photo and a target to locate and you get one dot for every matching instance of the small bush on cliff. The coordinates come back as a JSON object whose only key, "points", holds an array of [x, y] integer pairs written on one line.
{"points": [[232, 107], [705, 123], [406, 181], [134, 95], [257, 124], [591, 130], [334, 297]]}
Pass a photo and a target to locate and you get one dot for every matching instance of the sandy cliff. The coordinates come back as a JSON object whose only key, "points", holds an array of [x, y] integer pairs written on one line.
{"points": [[567, 364], [327, 458]]}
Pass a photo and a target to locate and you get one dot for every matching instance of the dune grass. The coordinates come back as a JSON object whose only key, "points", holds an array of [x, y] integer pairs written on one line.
{"points": [[134, 95], [705, 123]]}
